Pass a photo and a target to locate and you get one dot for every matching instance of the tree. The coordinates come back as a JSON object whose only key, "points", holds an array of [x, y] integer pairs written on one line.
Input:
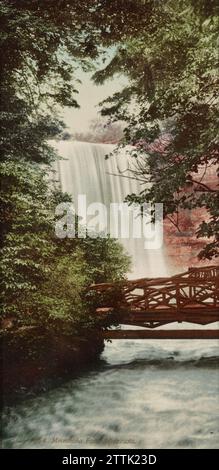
{"points": [[100, 131], [44, 279], [171, 109], [43, 282]]}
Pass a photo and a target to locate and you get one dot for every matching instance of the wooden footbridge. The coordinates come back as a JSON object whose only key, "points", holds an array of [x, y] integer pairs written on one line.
{"points": [[191, 297]]}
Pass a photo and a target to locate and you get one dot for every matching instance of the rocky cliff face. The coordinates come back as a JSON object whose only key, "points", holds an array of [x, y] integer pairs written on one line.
{"points": [[183, 247]]}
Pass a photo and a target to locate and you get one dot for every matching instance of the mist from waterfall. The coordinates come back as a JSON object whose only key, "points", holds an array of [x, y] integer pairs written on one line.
{"points": [[84, 170]]}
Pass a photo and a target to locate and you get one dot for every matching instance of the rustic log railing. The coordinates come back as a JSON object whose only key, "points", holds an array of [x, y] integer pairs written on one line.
{"points": [[191, 297]]}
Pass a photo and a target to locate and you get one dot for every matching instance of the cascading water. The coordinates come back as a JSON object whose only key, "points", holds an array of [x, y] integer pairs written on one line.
{"points": [[142, 394], [84, 170]]}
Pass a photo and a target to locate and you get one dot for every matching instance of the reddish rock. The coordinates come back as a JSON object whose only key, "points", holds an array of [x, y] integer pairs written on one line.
{"points": [[183, 247]]}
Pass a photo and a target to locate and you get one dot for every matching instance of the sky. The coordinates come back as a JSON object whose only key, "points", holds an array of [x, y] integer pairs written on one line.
{"points": [[88, 98]]}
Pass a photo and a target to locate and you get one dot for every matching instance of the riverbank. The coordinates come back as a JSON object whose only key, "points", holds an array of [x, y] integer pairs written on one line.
{"points": [[32, 358]]}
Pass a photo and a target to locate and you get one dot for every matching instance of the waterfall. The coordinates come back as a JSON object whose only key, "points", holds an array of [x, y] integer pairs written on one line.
{"points": [[84, 170]]}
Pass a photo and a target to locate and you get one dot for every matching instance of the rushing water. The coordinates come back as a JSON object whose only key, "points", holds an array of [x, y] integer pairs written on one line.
{"points": [[141, 394]]}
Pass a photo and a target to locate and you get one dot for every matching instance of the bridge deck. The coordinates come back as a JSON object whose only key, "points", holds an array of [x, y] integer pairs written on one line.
{"points": [[161, 334], [191, 297]]}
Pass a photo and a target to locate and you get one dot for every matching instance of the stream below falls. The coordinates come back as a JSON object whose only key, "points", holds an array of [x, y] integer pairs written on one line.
{"points": [[140, 395]]}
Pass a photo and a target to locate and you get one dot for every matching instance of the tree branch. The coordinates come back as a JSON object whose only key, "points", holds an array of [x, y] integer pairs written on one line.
{"points": [[204, 186]]}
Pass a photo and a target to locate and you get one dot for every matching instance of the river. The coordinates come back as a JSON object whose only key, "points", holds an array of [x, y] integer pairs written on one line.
{"points": [[140, 395]]}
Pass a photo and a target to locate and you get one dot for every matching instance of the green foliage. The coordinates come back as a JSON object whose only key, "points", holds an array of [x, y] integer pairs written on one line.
{"points": [[168, 50], [172, 66], [106, 259], [44, 280]]}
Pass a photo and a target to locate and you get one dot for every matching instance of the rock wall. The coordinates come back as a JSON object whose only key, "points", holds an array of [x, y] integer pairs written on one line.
{"points": [[183, 247]]}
